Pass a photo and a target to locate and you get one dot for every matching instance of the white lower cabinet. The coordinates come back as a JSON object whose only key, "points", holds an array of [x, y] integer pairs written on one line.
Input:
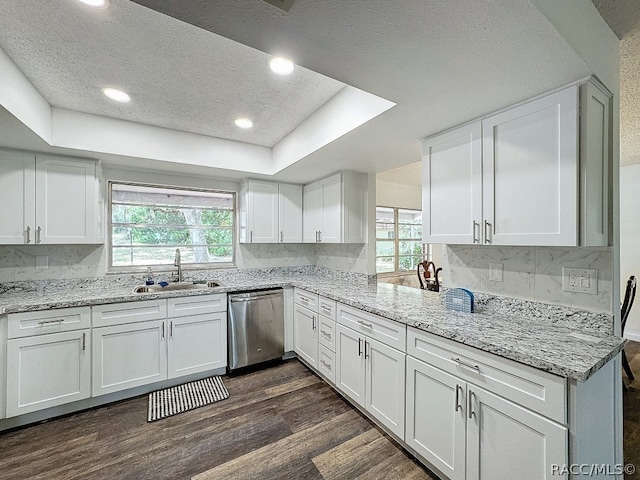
{"points": [[197, 343], [469, 433], [47, 370], [372, 374], [305, 334], [127, 356]]}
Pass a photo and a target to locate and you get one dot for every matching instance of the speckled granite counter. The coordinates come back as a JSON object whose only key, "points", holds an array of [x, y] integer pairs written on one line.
{"points": [[551, 338]]}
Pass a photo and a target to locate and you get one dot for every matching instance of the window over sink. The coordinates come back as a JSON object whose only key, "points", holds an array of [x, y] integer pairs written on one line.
{"points": [[149, 222], [399, 246]]}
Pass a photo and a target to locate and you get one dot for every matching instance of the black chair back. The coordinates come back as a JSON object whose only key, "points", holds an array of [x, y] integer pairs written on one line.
{"points": [[627, 303]]}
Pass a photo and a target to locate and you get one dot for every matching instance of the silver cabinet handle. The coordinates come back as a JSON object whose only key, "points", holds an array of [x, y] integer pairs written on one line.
{"points": [[250, 236], [38, 230], [84, 341], [465, 364], [325, 308], [326, 334], [320, 236], [359, 346], [365, 324], [472, 412], [475, 227], [304, 299], [326, 365], [162, 330], [170, 329], [313, 317], [458, 405], [317, 236], [281, 236], [28, 234], [366, 355], [49, 322], [486, 232]]}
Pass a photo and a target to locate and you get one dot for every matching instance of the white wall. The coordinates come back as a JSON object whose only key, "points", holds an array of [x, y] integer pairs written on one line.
{"points": [[630, 239]]}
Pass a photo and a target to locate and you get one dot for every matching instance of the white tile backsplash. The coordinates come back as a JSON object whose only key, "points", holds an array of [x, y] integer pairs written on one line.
{"points": [[530, 273]]}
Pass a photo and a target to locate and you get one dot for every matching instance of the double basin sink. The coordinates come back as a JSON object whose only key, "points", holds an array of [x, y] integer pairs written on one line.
{"points": [[211, 284]]}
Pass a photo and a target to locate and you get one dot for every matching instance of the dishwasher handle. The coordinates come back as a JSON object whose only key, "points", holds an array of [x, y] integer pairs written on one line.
{"points": [[254, 297]]}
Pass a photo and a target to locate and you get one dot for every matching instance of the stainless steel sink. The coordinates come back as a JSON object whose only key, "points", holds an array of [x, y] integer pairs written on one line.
{"points": [[177, 286]]}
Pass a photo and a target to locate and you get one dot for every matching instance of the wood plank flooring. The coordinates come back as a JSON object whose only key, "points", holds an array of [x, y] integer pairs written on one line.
{"points": [[279, 423]]}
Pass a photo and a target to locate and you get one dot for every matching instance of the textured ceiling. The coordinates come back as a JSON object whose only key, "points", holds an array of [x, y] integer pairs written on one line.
{"points": [[443, 63], [179, 76], [623, 16], [410, 174]]}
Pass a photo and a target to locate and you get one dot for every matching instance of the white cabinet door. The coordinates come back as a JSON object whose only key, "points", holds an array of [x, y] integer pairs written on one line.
{"points": [[331, 210], [594, 166], [305, 335], [263, 212], [17, 191], [311, 206], [452, 186], [66, 209], [436, 420], [196, 344], [290, 213], [47, 370], [350, 364], [126, 356], [505, 441], [385, 385], [530, 172]]}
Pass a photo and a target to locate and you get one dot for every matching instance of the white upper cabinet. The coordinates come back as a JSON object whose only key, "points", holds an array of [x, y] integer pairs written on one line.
{"points": [[335, 209], [535, 174], [54, 200], [17, 188], [270, 212], [530, 171], [290, 212], [452, 186]]}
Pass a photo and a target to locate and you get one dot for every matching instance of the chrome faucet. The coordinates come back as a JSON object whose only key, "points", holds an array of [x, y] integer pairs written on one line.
{"points": [[178, 263]]}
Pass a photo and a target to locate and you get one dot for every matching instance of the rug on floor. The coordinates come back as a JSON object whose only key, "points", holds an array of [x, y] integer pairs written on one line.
{"points": [[181, 398]]}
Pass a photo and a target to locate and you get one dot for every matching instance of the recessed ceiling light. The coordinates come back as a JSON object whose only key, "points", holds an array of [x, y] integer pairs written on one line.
{"points": [[243, 123], [281, 65], [96, 3], [117, 95]]}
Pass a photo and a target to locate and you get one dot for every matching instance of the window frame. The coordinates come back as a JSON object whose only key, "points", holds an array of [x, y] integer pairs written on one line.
{"points": [[164, 267], [396, 241]]}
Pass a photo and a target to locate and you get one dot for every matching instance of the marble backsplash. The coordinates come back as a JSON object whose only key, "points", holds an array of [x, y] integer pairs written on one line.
{"points": [[67, 262], [530, 273]]}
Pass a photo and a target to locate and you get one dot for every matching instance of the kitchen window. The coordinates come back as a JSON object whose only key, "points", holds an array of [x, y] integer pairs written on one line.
{"points": [[399, 246], [149, 222]]}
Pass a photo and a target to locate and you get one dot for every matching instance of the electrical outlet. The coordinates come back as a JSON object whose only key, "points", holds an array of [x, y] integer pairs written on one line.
{"points": [[580, 280], [42, 262], [495, 272]]}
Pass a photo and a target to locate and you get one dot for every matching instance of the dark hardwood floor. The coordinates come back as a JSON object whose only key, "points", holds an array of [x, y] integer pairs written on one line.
{"points": [[631, 406], [280, 423]]}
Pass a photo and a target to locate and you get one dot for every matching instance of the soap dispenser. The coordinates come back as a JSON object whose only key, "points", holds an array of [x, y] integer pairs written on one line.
{"points": [[149, 280]]}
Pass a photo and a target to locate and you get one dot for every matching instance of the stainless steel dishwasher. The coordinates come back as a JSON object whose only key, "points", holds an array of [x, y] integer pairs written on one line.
{"points": [[256, 327]]}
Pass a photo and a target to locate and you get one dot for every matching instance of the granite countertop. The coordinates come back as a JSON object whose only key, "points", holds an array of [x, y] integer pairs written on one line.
{"points": [[555, 339]]}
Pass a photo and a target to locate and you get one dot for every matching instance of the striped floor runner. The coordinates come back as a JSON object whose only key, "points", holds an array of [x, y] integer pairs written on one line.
{"points": [[174, 400]]}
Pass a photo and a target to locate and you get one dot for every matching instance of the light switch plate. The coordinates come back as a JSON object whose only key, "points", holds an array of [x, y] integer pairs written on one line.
{"points": [[495, 272], [580, 280]]}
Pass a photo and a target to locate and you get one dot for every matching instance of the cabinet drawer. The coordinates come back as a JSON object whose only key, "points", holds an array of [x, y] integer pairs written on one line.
{"points": [[384, 330], [121, 313], [306, 299], [327, 334], [327, 364], [182, 307], [50, 321], [540, 391], [327, 308]]}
